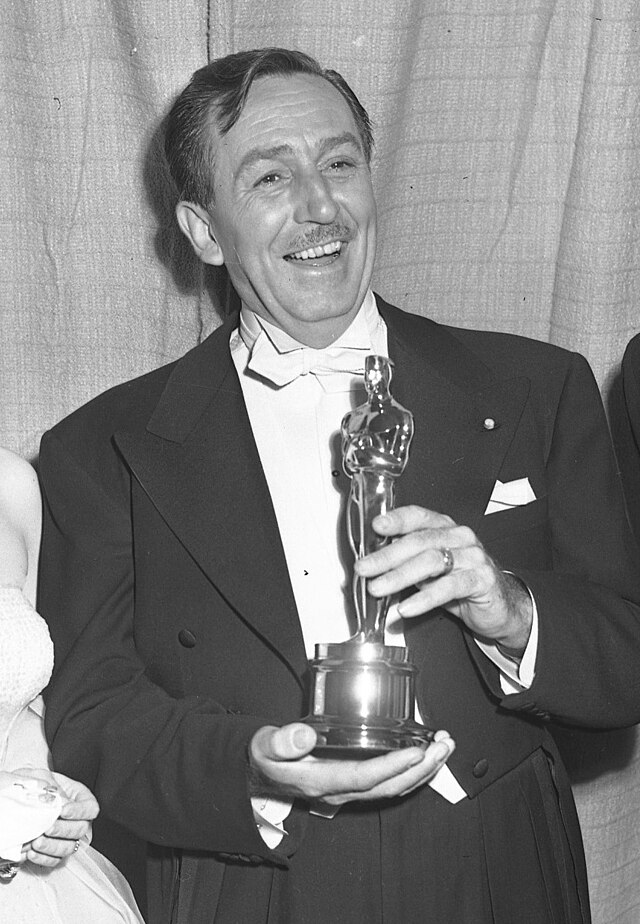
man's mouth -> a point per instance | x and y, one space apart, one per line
332 249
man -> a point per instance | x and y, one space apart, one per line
190 557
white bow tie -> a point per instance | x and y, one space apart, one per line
282 368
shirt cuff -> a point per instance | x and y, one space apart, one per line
269 815
516 675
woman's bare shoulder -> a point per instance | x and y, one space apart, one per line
20 502
18 480
20 519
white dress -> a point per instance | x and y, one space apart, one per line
86 888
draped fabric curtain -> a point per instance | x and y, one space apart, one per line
507 172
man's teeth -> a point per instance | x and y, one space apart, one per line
324 251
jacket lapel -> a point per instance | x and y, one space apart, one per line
454 461
198 463
454 458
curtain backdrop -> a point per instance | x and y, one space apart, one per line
507 172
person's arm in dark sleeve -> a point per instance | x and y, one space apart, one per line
587 669
173 770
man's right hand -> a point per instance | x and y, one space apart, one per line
283 766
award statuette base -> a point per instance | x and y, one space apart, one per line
362 700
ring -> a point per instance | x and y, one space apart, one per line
76 846
447 561
8 870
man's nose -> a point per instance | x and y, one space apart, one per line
315 200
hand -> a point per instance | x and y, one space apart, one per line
495 606
283 766
72 825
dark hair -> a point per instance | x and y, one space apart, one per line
218 92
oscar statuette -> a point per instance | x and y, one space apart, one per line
362 691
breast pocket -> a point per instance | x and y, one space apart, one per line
519 537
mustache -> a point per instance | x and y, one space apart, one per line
316 237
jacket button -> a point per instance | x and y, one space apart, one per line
186 638
480 768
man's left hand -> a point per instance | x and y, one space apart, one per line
494 605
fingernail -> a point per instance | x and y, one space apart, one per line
416 758
301 738
441 751
377 587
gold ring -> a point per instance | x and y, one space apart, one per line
447 561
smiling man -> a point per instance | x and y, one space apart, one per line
193 555
291 211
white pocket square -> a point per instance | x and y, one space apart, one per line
507 494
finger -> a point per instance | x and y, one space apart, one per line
85 809
458 553
69 830
426 566
395 553
404 520
423 540
77 792
41 859
52 847
442 735
430 761
431 765
377 777
73 788
472 585
290 742
40 775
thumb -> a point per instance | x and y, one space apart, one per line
291 742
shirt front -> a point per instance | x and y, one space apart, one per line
296 427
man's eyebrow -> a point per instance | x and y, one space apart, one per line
258 154
338 141
255 155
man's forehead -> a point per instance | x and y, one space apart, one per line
282 110
268 86
288 101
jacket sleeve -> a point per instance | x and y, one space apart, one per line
171 769
588 662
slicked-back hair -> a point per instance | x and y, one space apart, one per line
216 95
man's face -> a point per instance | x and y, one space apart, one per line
294 213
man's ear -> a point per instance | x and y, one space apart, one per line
195 223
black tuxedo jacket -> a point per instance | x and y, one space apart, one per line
164 582
628 429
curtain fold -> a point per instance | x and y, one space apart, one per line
507 171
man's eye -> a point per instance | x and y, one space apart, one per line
340 166
268 179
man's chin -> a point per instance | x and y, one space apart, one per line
328 310
320 301
321 327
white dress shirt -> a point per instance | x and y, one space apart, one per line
296 426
